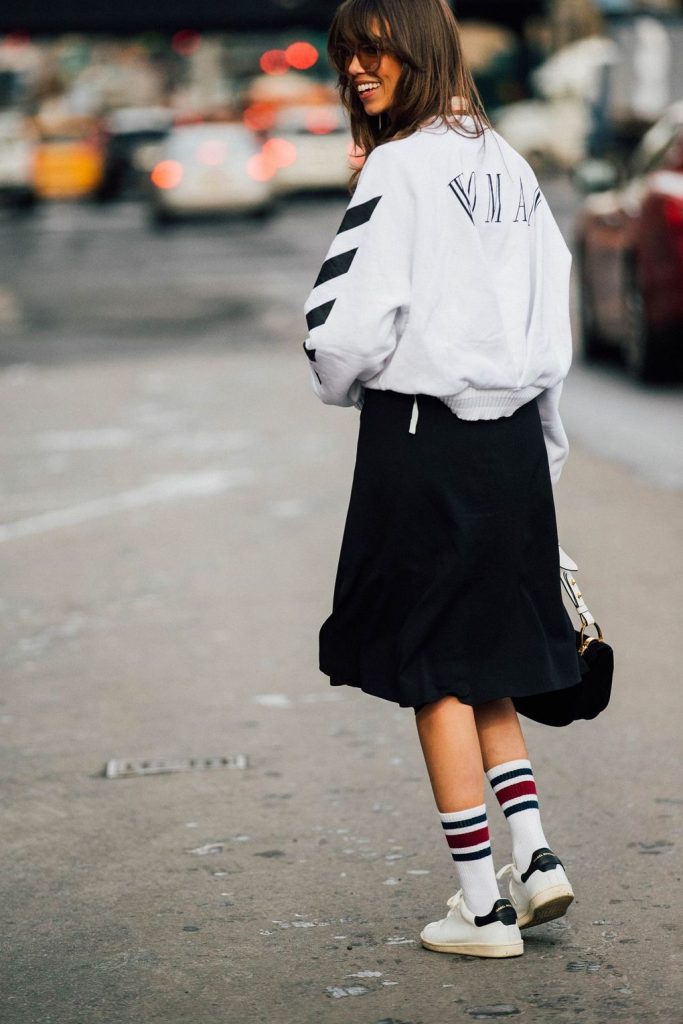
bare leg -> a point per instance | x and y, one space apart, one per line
460 743
500 734
448 734
450 744
502 744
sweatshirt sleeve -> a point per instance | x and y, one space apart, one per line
554 269
363 283
556 443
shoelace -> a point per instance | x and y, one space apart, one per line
454 902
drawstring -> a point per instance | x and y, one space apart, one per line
413 419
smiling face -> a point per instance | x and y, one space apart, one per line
376 89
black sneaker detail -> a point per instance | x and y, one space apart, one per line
503 911
542 860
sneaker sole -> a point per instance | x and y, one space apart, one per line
547 906
477 949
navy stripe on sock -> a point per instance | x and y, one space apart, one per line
466 822
359 214
477 855
510 775
527 805
316 317
335 266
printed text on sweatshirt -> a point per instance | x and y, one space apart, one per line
448 276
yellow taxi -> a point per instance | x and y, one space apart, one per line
69 158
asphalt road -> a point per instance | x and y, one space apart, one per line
83 281
173 500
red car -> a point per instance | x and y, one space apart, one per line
629 246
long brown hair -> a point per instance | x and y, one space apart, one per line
424 36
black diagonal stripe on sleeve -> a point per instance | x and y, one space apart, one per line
357 215
317 316
335 266
310 352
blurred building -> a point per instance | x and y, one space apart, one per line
576 19
149 15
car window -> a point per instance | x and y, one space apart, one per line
181 145
301 129
312 121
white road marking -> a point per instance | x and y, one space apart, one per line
272 700
85 440
206 442
170 488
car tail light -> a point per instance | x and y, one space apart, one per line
259 117
274 62
673 212
280 152
672 216
167 174
301 55
186 42
260 168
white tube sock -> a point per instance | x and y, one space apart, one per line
467 834
515 789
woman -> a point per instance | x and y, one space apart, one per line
441 311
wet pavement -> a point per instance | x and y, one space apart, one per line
173 503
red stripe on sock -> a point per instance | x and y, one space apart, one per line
469 838
516 789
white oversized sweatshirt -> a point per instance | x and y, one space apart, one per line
449 277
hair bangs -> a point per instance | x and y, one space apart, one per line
434 83
353 26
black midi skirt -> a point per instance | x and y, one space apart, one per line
448 579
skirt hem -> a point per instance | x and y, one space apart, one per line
464 695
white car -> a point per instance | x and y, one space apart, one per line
312 149
17 149
209 168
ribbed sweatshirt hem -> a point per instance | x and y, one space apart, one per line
489 404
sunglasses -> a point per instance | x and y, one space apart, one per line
369 58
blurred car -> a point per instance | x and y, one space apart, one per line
68 161
630 257
552 130
131 138
531 127
311 147
17 148
210 168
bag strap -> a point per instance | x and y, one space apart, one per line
566 562
576 597
567 568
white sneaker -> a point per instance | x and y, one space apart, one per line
461 931
542 892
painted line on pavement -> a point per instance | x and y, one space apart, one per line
169 488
